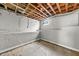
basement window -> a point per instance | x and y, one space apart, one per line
45 22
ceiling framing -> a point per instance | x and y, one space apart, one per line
39 11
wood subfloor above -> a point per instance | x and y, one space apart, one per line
40 48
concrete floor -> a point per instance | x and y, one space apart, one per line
40 48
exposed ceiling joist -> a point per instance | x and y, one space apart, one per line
45 9
58 7
34 14
27 6
51 8
39 10
5 6
66 7
33 17
17 6
33 11
75 6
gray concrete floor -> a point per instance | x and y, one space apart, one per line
40 48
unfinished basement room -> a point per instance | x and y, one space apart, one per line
39 29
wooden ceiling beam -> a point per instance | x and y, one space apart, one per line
39 10
75 6
51 8
5 6
33 11
17 6
38 17
66 6
20 7
58 7
33 17
34 14
44 8
27 6
39 14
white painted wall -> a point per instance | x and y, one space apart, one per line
14 31
9 21
15 23
62 30
10 41
29 25
61 21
